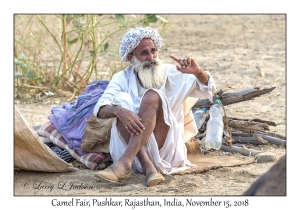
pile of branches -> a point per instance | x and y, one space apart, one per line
240 132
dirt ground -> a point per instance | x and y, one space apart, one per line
230 47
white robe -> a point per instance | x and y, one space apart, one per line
178 93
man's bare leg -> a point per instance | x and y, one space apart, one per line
152 116
142 155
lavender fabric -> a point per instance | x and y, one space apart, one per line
70 118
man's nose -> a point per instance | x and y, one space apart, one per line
150 56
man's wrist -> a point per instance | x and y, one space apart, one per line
202 76
200 73
115 109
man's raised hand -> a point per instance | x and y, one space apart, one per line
189 66
186 65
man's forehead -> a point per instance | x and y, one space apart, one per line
144 44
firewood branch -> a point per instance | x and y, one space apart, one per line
232 97
242 150
247 125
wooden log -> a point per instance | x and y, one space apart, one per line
242 150
261 138
272 134
272 140
264 121
247 126
250 140
254 120
241 134
232 97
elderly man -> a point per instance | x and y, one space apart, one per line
148 101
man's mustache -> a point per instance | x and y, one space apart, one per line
147 63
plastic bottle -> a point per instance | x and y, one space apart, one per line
200 116
214 129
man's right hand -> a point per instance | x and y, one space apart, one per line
130 120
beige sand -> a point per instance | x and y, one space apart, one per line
230 47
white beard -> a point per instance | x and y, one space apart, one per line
150 76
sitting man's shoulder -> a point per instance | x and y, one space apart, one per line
124 73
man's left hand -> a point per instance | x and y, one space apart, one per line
189 66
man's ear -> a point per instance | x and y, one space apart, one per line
129 57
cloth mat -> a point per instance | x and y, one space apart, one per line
206 162
94 161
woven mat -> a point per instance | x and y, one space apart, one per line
207 162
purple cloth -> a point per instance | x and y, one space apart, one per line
70 118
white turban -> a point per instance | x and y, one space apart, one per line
133 38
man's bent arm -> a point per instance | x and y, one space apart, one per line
108 111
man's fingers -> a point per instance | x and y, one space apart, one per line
188 61
183 62
183 69
141 126
174 58
128 129
132 130
136 128
179 68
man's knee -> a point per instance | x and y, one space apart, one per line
151 98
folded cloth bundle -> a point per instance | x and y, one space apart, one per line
93 160
96 136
